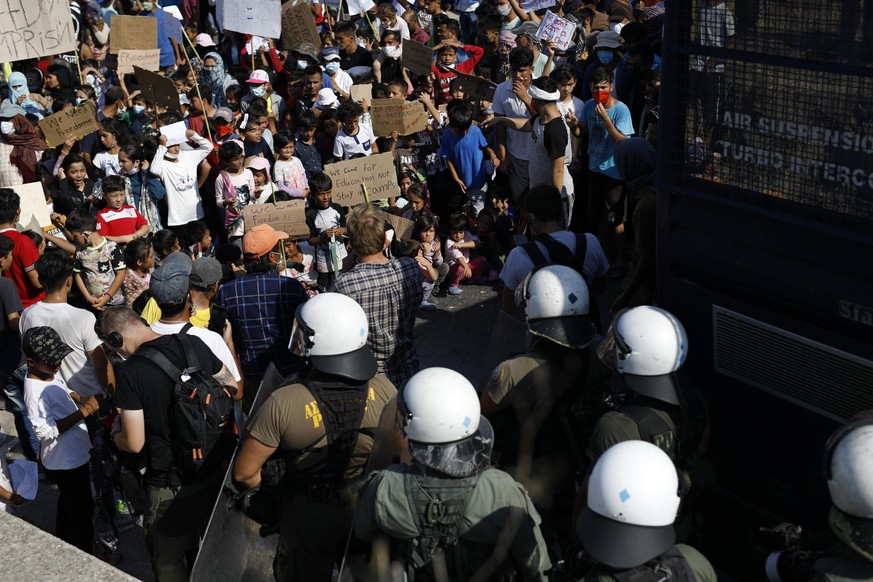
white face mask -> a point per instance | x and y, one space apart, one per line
504 9
392 52
6 128
170 156
259 91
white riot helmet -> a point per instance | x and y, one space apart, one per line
441 418
849 472
633 498
646 345
555 301
330 330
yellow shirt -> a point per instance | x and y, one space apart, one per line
151 313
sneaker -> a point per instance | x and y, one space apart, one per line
427 306
454 290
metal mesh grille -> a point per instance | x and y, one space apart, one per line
810 374
782 108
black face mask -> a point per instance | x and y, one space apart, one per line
233 106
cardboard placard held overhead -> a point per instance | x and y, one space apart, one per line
157 88
31 29
362 93
404 117
376 172
556 29
138 33
257 17
149 60
76 121
416 57
402 226
34 209
298 26
172 25
287 216
476 87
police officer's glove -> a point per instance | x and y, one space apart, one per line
260 504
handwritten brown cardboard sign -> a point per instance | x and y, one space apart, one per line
404 117
157 88
402 226
287 216
476 87
150 60
417 57
376 172
362 93
298 26
133 32
78 121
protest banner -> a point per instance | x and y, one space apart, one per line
416 57
476 87
172 25
31 29
556 29
298 26
34 209
157 88
362 93
402 226
150 60
287 217
534 5
78 121
256 17
404 117
133 32
376 172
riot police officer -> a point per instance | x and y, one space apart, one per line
449 511
322 426
627 526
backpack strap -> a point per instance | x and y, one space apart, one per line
558 253
579 255
536 255
192 363
185 328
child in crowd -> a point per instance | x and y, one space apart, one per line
412 249
265 189
76 189
464 148
446 66
145 188
419 201
503 214
424 232
198 240
306 148
139 256
461 266
326 221
299 260
99 271
404 180
57 414
113 136
119 222
486 230
356 136
288 171
234 188
252 135
328 128
178 171
165 242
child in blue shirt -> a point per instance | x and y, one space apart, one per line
464 148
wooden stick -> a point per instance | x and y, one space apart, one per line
196 82
366 196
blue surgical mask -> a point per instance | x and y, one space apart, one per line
79 100
147 6
332 67
138 109
605 57
259 91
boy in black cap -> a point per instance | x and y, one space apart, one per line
57 414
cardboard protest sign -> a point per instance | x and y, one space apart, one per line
30 29
298 26
376 172
404 117
257 17
287 216
150 60
133 32
172 25
534 5
416 57
362 92
402 226
476 87
157 88
556 29
34 209
78 121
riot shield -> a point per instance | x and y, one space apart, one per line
232 548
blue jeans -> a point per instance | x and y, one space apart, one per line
469 27
13 390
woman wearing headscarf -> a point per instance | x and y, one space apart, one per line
19 94
20 144
61 84
216 77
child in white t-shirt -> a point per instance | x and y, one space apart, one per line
356 136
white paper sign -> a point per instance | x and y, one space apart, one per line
33 205
359 6
534 5
175 133
261 17
556 29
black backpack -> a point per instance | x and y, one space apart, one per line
201 414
